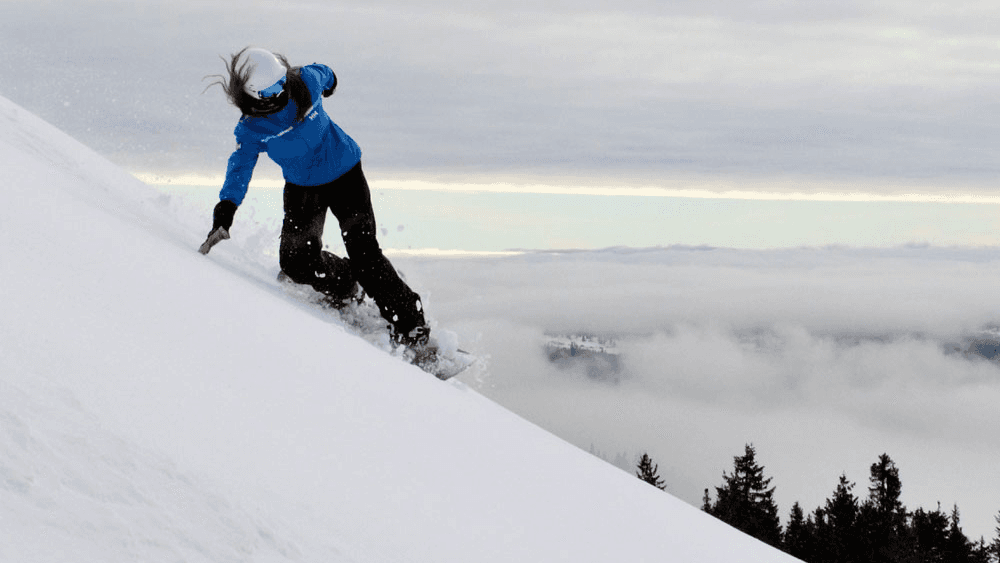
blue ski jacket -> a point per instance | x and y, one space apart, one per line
311 152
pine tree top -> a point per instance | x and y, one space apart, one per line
647 471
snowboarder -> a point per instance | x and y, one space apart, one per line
283 116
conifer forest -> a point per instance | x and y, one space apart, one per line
852 526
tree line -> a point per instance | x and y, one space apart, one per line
875 528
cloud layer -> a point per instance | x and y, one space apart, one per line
823 358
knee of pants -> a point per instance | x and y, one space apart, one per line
361 245
298 263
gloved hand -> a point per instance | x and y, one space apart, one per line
222 220
329 91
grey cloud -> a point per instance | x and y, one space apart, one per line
826 90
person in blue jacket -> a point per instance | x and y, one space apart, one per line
283 116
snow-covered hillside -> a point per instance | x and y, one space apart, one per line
159 405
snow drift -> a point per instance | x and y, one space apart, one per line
158 405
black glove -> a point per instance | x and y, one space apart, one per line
329 91
222 220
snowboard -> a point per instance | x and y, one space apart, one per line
440 357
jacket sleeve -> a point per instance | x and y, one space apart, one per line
240 170
326 77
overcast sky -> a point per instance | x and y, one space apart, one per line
805 96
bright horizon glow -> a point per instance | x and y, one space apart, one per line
694 188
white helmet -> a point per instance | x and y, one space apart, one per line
267 73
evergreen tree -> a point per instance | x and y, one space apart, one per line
884 487
883 516
797 540
841 534
746 502
958 548
930 536
981 553
647 471
994 545
820 533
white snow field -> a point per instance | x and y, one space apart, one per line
160 405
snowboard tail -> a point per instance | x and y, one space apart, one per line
443 364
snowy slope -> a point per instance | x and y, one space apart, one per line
159 405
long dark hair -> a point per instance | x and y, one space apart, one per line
237 75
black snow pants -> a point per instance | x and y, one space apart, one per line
303 259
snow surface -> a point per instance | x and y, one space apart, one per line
159 405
